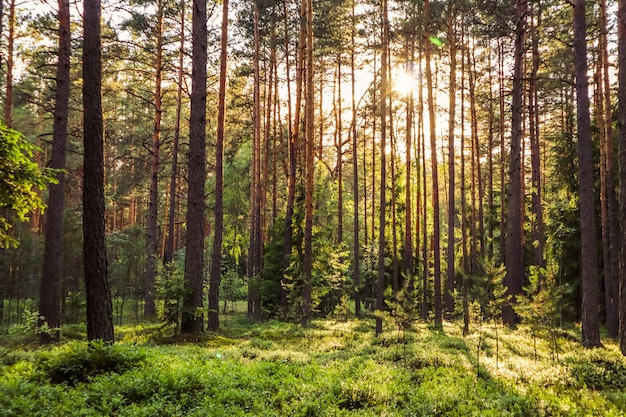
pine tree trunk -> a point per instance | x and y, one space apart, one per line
395 282
309 167
339 147
407 256
621 31
8 81
256 188
99 308
434 173
474 168
169 247
216 261
449 295
590 291
356 266
501 94
514 251
611 278
380 285
464 243
151 235
294 143
49 294
535 148
192 314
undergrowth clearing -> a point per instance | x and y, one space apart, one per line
331 368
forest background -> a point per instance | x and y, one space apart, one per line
403 159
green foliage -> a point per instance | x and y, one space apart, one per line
127 255
232 287
539 306
170 289
79 361
20 178
599 370
32 324
328 369
488 289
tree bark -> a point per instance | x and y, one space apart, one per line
434 173
151 226
49 295
621 31
535 148
169 247
380 286
99 308
514 258
339 148
611 277
309 167
8 82
590 291
449 296
192 315
256 191
356 266
216 262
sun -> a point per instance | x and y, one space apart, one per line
404 82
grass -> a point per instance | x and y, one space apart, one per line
328 369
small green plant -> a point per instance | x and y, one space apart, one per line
491 295
32 324
170 288
539 308
476 316
404 311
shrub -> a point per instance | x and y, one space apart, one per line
78 361
600 369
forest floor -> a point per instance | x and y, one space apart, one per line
331 368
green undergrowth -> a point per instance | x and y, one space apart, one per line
328 369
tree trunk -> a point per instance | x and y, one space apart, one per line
611 278
192 315
395 281
99 308
294 143
407 255
514 259
464 244
339 147
356 266
535 148
8 82
503 207
309 167
422 195
216 262
449 296
621 31
590 291
434 173
151 229
169 248
256 188
380 286
474 166
49 295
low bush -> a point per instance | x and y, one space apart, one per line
599 369
78 361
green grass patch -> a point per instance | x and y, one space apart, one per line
329 369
